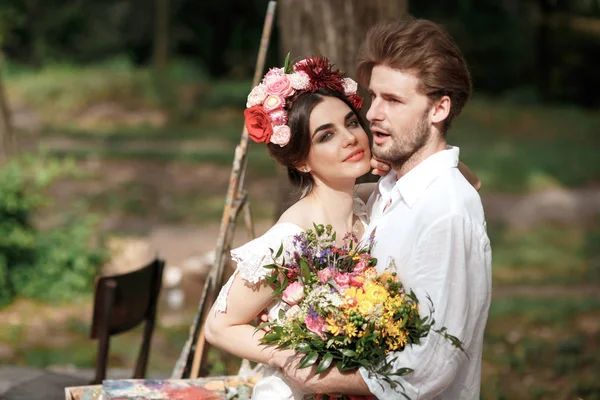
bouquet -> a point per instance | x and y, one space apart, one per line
341 311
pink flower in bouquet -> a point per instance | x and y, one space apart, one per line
294 293
360 266
325 275
316 324
342 279
357 280
279 86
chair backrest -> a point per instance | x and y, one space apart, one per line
122 302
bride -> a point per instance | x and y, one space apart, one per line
308 117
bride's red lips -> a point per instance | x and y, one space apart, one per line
356 155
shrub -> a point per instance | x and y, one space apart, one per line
53 264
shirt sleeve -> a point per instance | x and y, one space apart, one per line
448 265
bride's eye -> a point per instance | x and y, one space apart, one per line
326 136
353 123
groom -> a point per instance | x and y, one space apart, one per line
427 218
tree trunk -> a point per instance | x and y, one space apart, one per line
7 140
161 34
333 28
543 58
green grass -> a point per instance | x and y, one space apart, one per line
259 164
222 124
544 348
550 312
522 148
63 91
547 254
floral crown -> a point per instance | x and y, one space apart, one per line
266 115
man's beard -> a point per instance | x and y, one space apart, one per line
404 146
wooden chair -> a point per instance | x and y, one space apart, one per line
122 302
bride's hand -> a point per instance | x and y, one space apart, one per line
379 167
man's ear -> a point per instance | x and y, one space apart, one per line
441 110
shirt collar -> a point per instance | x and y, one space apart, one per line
412 185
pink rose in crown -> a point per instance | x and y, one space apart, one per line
281 135
325 275
293 294
342 279
272 74
316 324
280 86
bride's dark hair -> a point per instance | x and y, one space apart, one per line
296 151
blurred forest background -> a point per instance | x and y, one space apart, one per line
118 121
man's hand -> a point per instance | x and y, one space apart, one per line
379 167
304 379
331 382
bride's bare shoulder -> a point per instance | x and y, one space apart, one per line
296 214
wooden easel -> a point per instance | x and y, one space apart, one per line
194 352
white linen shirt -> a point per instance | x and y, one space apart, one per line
434 232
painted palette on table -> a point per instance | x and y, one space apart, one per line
207 388
175 389
91 392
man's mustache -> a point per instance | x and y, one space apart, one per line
379 127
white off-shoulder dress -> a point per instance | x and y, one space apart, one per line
250 259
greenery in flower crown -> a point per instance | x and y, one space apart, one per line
340 311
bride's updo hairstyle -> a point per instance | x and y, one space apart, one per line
279 108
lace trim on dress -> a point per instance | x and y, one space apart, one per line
252 256
221 302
